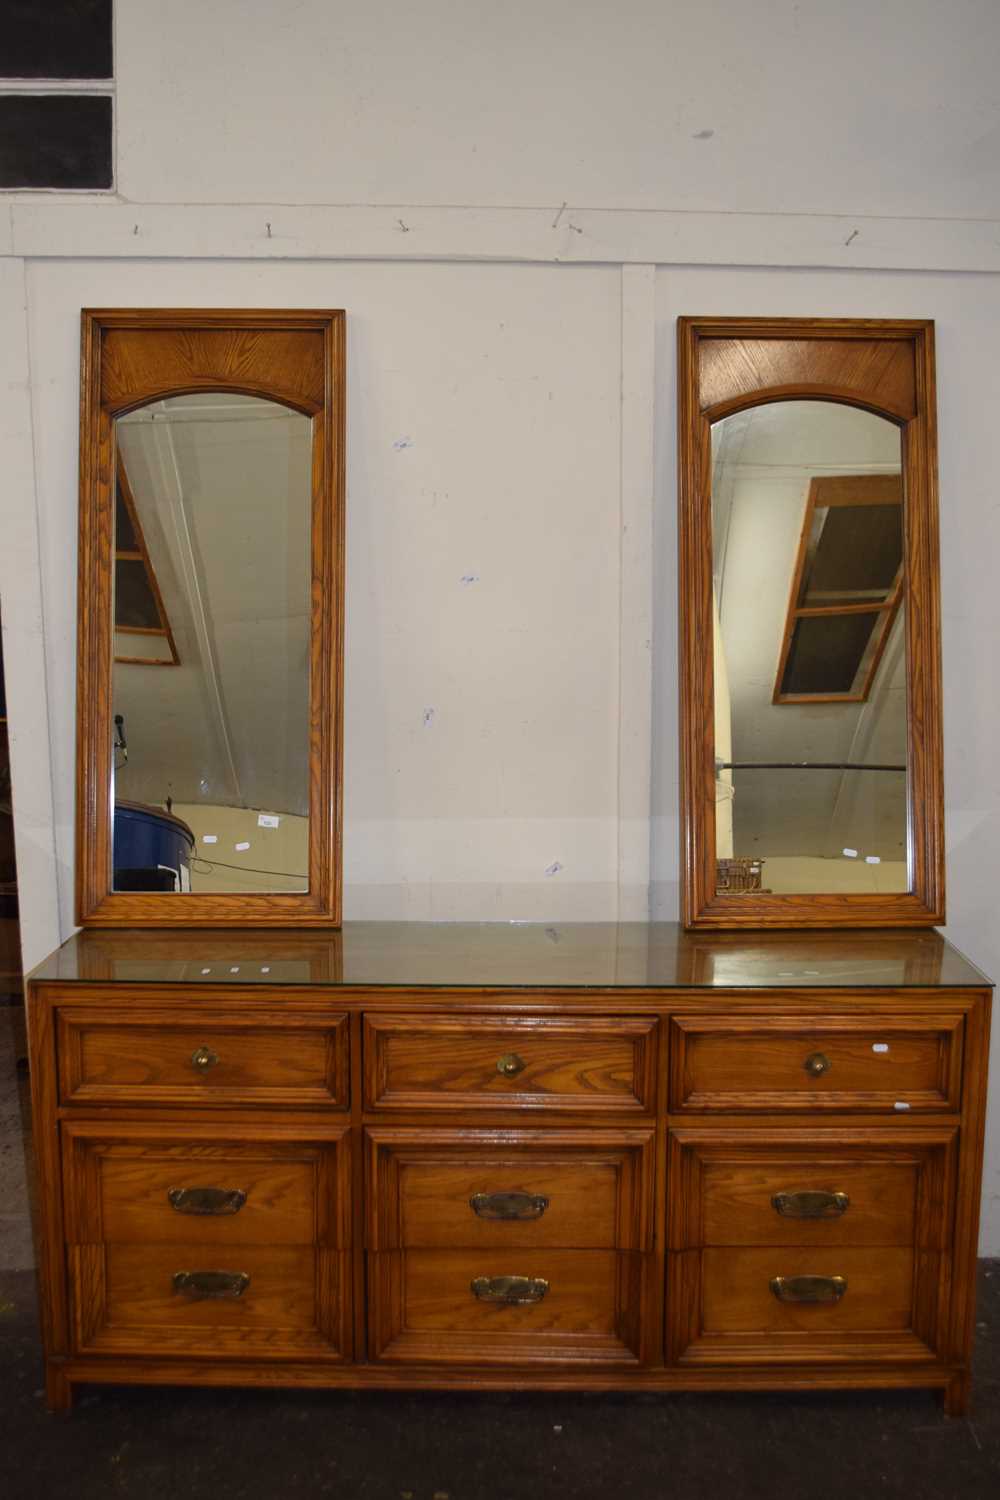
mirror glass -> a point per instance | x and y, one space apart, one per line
210 681
810 651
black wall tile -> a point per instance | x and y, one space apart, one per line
55 39
55 141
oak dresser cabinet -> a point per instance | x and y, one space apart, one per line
275 1153
573 1156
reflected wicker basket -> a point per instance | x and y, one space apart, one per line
736 876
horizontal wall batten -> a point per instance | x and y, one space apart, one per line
44 227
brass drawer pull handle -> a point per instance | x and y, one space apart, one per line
510 1065
510 1291
811 1205
202 1286
817 1063
808 1288
207 1200
203 1058
508 1205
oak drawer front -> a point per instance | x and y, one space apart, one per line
182 1299
886 1185
801 1245
217 1186
494 1307
496 1063
804 1305
846 1063
795 1291
506 1190
207 1239
216 1059
809 1203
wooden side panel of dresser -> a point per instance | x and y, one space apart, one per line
487 1188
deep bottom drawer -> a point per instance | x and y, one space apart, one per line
802 1305
784 1291
473 1305
186 1299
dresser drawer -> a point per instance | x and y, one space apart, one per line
176 1299
509 1190
883 1185
475 1062
801 1306
809 1202
869 1205
216 1058
836 1062
136 1183
470 1306
795 1292
187 1239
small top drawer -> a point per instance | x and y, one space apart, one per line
222 1058
496 1062
832 1062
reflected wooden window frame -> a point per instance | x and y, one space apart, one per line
131 357
141 555
885 366
828 492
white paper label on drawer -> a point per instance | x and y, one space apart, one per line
268 820
900 1104
243 844
880 1046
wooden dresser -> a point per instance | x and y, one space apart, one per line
570 1156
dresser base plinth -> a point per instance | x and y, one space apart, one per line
952 1386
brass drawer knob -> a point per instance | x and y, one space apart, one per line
508 1205
510 1065
204 1286
203 1058
206 1200
510 1291
816 1064
808 1288
811 1204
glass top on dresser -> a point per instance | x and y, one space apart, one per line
557 955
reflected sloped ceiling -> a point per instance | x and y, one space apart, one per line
222 486
764 459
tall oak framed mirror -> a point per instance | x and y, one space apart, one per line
811 766
210 636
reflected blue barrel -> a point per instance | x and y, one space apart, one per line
152 849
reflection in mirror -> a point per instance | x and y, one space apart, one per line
210 684
810 650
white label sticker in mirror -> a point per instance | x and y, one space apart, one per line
244 845
210 838
268 820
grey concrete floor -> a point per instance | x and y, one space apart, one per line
158 1444
15 1222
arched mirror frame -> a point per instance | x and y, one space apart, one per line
131 357
885 366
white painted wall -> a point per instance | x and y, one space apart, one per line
355 154
646 104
